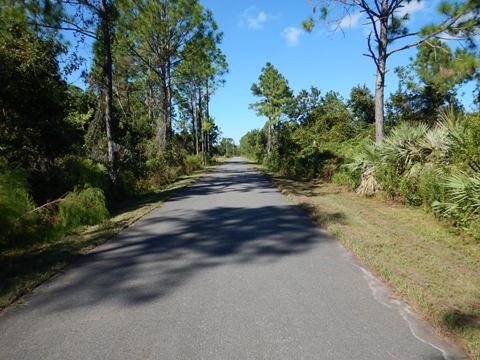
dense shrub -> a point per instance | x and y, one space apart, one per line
126 183
78 171
158 171
192 163
253 145
15 202
464 131
430 187
20 221
462 200
434 167
83 206
166 168
346 178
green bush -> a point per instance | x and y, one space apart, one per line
430 186
78 171
15 203
462 199
158 171
346 178
253 145
165 168
400 163
464 132
388 179
433 167
126 182
275 163
83 207
192 163
18 222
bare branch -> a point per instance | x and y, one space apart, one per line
445 25
53 202
75 29
394 5
403 36
374 25
79 28
372 53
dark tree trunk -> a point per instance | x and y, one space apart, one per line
108 87
168 126
162 126
200 120
207 115
151 116
269 139
205 145
197 130
194 125
208 143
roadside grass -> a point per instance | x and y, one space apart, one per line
25 267
425 263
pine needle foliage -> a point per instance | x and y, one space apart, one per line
83 207
15 202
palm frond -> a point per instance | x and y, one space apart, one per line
463 192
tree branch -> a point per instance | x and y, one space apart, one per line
59 27
443 27
372 53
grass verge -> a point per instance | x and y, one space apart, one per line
24 268
426 264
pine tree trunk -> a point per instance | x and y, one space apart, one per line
197 135
269 139
208 143
207 112
150 102
380 78
168 126
379 102
200 120
194 126
108 87
204 142
162 127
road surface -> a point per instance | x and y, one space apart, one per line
227 269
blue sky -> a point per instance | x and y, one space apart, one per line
264 30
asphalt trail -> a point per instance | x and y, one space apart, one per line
227 269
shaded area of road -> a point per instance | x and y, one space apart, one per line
227 269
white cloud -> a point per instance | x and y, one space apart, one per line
292 35
350 21
411 8
255 19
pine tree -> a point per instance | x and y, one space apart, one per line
275 95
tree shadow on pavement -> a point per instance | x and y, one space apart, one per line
158 254
144 264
